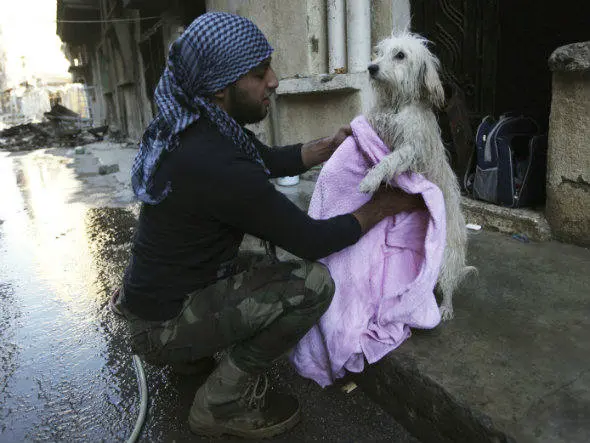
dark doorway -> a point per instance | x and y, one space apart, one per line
496 51
529 32
152 53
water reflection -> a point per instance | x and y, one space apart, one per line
64 371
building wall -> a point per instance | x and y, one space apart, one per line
312 104
309 102
114 73
285 26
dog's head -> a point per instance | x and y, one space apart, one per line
404 70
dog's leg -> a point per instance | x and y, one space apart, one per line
391 165
446 307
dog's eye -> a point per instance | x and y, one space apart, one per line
400 55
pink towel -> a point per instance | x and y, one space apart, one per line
384 282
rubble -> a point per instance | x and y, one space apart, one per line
63 128
31 136
108 169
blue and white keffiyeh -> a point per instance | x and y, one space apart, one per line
215 50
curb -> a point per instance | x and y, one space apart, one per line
526 222
423 407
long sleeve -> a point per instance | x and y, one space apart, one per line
242 197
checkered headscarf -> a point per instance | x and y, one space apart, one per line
215 50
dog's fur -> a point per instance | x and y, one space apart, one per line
407 87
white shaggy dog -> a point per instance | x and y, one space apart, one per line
407 86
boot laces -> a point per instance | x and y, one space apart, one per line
257 392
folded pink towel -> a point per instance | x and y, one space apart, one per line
384 282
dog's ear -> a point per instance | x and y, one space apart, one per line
401 29
433 88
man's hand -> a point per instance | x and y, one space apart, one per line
385 202
318 151
338 138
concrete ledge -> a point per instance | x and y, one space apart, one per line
506 220
424 407
322 83
491 217
513 363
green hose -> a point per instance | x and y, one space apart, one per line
143 399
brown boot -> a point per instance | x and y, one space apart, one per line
234 402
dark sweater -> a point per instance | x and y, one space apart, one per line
217 195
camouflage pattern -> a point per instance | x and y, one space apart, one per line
259 314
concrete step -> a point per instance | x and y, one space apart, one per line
527 222
532 224
513 365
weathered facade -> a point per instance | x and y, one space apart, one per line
493 51
120 47
322 50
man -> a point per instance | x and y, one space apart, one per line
203 178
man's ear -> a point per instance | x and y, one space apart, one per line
221 98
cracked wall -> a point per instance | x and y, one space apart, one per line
568 175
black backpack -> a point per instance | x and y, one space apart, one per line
510 162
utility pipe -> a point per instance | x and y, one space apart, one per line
336 36
358 29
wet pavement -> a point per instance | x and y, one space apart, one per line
66 372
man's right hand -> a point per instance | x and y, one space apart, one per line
386 202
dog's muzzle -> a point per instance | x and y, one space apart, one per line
373 70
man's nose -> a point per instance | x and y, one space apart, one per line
273 81
373 69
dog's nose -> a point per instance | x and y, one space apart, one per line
373 69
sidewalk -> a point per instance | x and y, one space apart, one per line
514 363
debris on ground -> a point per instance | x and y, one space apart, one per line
349 387
31 136
108 169
521 238
99 132
63 128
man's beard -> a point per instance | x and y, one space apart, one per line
243 109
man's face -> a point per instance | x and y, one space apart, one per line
248 99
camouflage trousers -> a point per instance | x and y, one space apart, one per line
257 314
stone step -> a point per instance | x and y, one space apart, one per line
512 366
526 222
532 224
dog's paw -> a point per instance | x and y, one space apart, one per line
446 312
371 182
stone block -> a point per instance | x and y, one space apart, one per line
568 168
108 169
